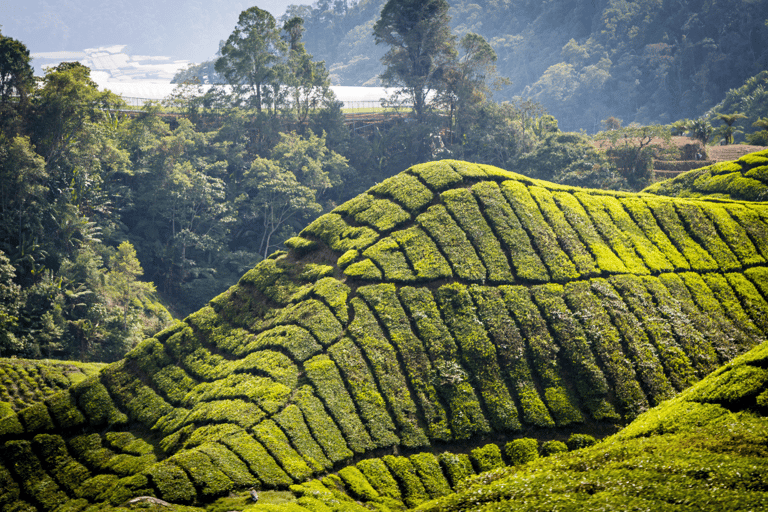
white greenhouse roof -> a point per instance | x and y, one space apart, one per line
157 91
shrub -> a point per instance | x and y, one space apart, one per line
553 447
487 457
521 451
357 485
579 441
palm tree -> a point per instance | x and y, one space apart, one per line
729 120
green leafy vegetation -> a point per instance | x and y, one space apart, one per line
301 375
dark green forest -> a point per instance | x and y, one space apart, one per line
113 221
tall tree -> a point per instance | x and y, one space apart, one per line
421 44
16 79
250 57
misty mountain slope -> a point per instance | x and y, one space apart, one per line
450 306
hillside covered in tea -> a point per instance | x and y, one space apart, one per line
453 309
745 179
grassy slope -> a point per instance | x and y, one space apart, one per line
451 306
744 179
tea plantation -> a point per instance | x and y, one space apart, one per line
456 319
744 179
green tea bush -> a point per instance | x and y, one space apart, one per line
357 485
566 235
436 175
422 254
545 241
407 190
553 448
451 379
324 430
291 420
579 441
666 215
457 466
465 210
384 301
378 475
382 357
525 261
388 256
705 233
487 457
479 355
410 483
453 243
521 451
325 377
428 469
171 482
278 445
365 393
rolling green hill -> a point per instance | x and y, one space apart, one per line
745 179
452 308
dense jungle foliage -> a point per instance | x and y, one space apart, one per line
453 320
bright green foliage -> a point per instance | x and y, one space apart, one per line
388 256
299 343
544 238
590 381
382 299
357 484
553 448
525 261
365 269
606 343
275 441
521 451
487 457
428 469
172 483
566 236
456 466
621 244
744 179
542 350
323 428
464 209
453 243
511 353
595 306
645 220
579 441
676 364
438 176
258 459
380 478
412 488
706 234
422 253
453 383
672 225
380 214
363 388
479 355
407 190
324 375
383 359
638 347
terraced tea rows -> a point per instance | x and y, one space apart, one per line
452 305
24 382
743 179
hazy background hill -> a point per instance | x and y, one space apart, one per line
649 61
